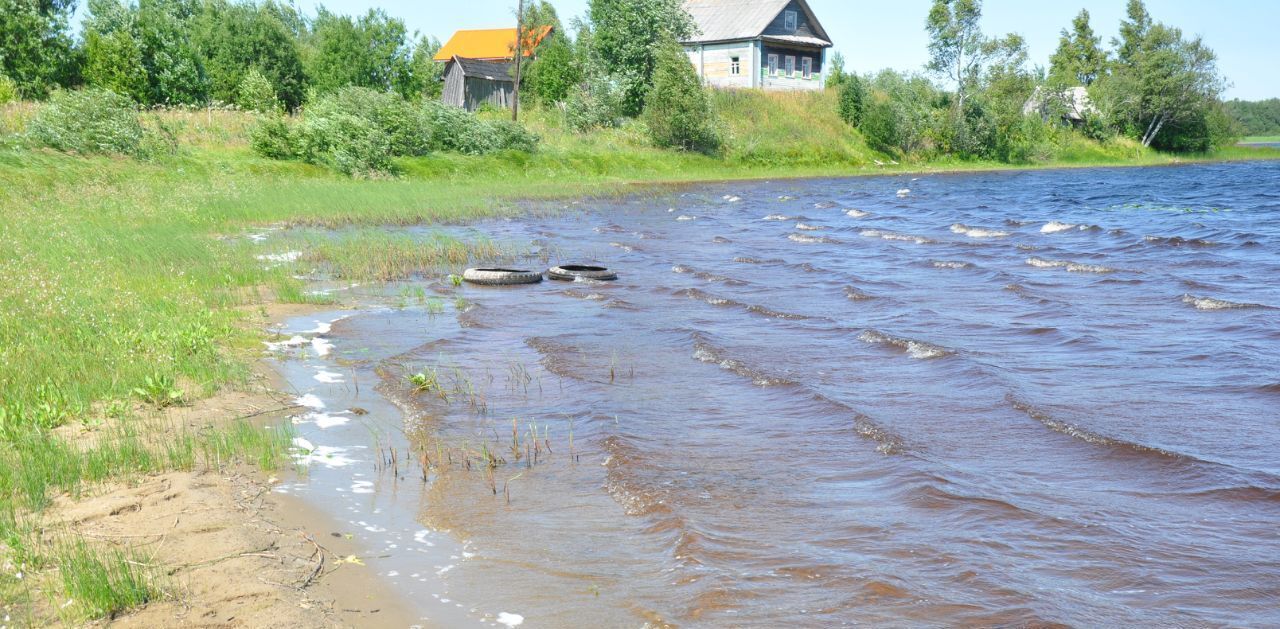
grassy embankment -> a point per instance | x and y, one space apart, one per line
1261 139
118 270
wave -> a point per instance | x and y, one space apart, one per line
776 217
708 353
625 247
1055 227
709 277
857 214
824 205
977 232
887 441
1209 303
699 295
915 349
721 240
949 264
853 294
1074 267
1179 241
809 228
1088 436
887 235
749 260
805 238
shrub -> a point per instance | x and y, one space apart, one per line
345 142
89 121
512 136
677 110
407 130
853 98
273 138
8 90
255 93
596 103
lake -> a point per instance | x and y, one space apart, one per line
997 398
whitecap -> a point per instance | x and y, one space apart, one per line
886 235
950 264
857 214
977 232
1209 303
915 349
903 193
776 217
809 239
808 227
684 217
510 620
328 377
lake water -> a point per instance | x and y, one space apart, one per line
999 398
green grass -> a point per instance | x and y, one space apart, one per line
1262 139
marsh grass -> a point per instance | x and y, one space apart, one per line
102 582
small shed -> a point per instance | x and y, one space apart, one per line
469 83
1072 103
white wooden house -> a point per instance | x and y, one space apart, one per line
769 44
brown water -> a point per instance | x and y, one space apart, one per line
1005 398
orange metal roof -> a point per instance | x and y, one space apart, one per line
493 43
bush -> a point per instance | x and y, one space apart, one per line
273 138
89 121
358 131
853 99
899 117
677 110
8 90
596 103
255 93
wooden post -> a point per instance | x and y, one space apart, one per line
515 95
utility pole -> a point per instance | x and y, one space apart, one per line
515 95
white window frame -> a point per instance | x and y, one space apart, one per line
806 67
790 66
735 66
790 21
773 65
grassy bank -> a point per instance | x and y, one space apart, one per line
1261 139
124 273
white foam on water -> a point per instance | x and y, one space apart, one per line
685 217
328 377
808 227
1054 227
978 232
776 217
884 235
307 453
325 421
295 341
949 264
857 214
421 537
732 198
1074 267
510 620
1209 303
288 256
807 239
321 346
310 401
903 193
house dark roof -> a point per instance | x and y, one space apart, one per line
491 70
727 20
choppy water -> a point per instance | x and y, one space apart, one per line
1004 398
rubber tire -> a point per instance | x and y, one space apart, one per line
500 277
571 272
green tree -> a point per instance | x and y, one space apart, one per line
677 110
113 61
1164 87
426 72
256 93
236 37
1079 59
627 36
853 100
956 44
175 71
369 51
835 72
554 69
35 50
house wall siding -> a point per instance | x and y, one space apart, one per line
453 93
715 63
797 82
778 26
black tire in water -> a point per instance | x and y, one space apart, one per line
571 272
500 277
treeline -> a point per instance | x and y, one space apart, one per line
1256 117
196 52
1153 85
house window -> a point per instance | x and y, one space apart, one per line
773 65
806 67
789 21
735 66
791 66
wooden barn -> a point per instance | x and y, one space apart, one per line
479 66
470 83
769 44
